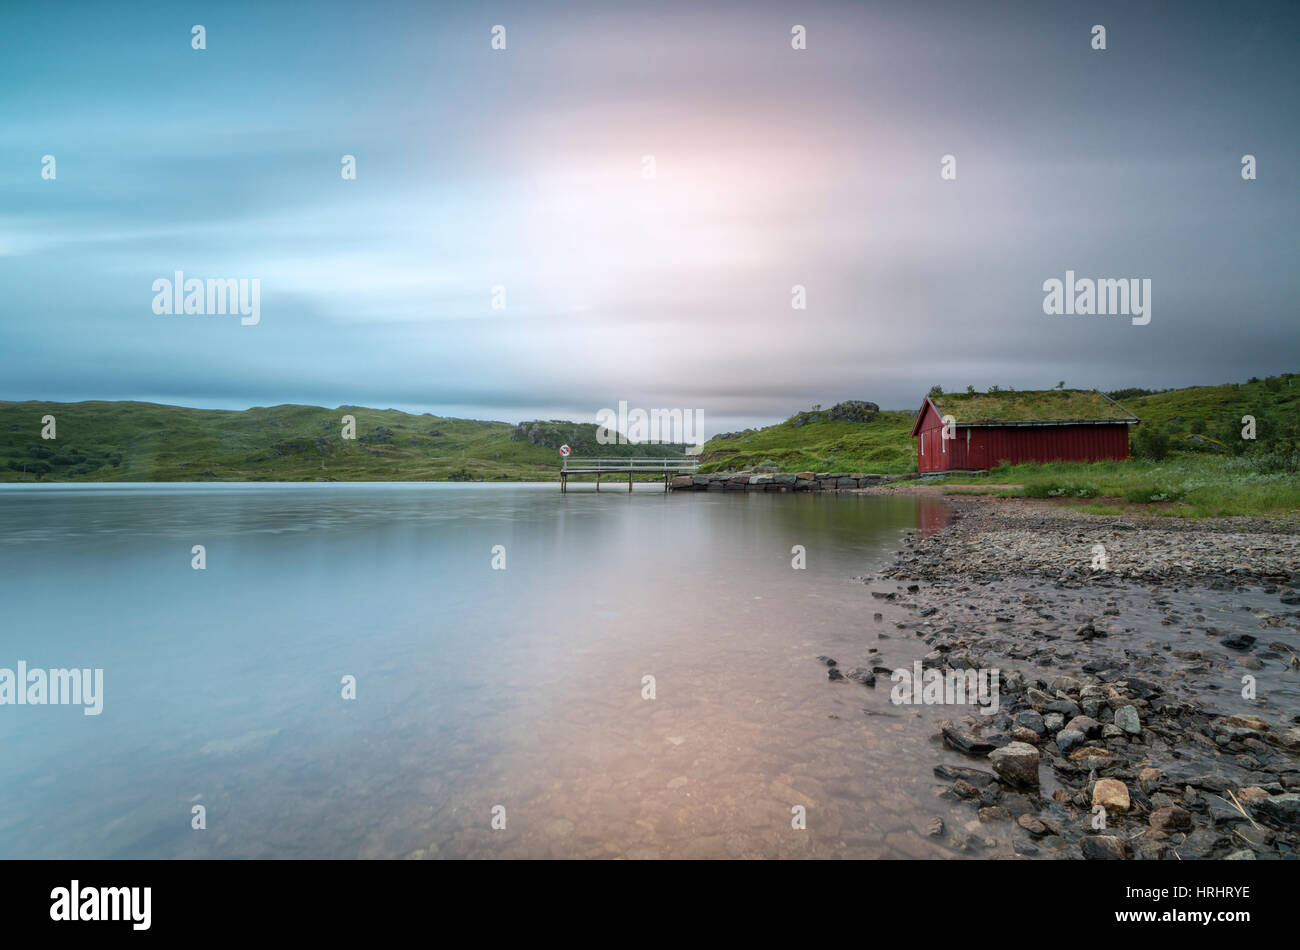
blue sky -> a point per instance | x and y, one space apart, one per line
523 168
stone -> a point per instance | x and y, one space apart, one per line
1032 825
1030 720
1021 734
1102 847
1017 764
1037 698
1088 726
1200 844
1282 809
1126 718
1091 757
1067 740
961 773
965 741
1111 794
864 676
1064 707
1149 780
1252 795
1171 818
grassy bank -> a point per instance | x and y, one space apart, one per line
883 445
1194 486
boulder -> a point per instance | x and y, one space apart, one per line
1017 764
1111 794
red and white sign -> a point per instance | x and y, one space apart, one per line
565 450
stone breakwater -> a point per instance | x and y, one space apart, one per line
1148 712
785 482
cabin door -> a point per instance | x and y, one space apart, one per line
977 448
956 449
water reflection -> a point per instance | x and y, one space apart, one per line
475 687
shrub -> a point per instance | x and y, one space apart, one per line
1151 442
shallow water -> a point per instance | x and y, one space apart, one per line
476 688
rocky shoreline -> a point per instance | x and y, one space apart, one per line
1149 699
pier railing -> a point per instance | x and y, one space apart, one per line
588 466
667 467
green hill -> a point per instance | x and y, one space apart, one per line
137 441
820 441
1209 417
1200 419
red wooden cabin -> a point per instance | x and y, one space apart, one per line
983 430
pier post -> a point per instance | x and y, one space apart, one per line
564 482
598 481
629 481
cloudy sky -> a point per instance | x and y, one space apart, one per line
524 168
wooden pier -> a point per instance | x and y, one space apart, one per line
598 467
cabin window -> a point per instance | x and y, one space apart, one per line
922 443
944 439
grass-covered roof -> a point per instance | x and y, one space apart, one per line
1045 405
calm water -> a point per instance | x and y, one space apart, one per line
475 687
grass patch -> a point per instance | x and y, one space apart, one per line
1187 485
884 446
